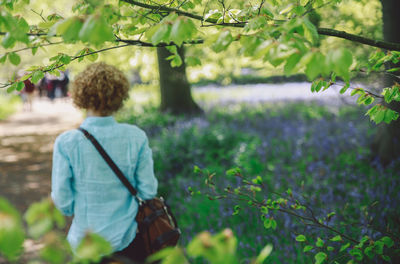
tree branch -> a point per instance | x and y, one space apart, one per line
26 48
169 9
363 40
147 44
322 31
31 34
74 58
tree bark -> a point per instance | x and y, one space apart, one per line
387 141
176 96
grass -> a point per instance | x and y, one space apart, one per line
320 152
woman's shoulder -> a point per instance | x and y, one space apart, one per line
134 130
68 137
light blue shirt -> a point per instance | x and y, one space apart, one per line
83 185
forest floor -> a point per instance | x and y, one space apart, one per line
26 145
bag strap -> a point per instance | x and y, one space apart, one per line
111 163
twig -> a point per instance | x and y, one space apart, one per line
260 7
26 48
354 88
39 14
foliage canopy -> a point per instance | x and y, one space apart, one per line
280 32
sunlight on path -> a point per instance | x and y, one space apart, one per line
26 146
46 118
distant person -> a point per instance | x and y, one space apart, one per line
50 86
42 87
27 95
83 185
64 84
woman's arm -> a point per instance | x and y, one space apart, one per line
146 181
61 182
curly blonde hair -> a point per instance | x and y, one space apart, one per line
100 87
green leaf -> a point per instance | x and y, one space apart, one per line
356 253
37 76
55 250
92 57
357 91
379 115
394 69
92 248
307 248
291 63
320 242
233 171
315 66
264 210
169 255
320 257
12 88
392 93
265 252
344 247
14 58
8 41
183 29
273 224
340 61
345 87
176 61
196 169
236 210
378 246
310 32
390 116
69 29
267 223
34 50
25 77
40 227
192 61
368 251
223 41
387 241
65 59
161 35
11 231
336 238
301 238
316 86
329 248
19 86
96 30
3 58
386 258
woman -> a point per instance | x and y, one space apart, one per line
83 185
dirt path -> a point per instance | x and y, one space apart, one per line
26 145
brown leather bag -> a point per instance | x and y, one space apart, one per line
156 224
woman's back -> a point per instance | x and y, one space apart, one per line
83 184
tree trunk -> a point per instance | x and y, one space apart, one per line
176 96
387 141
